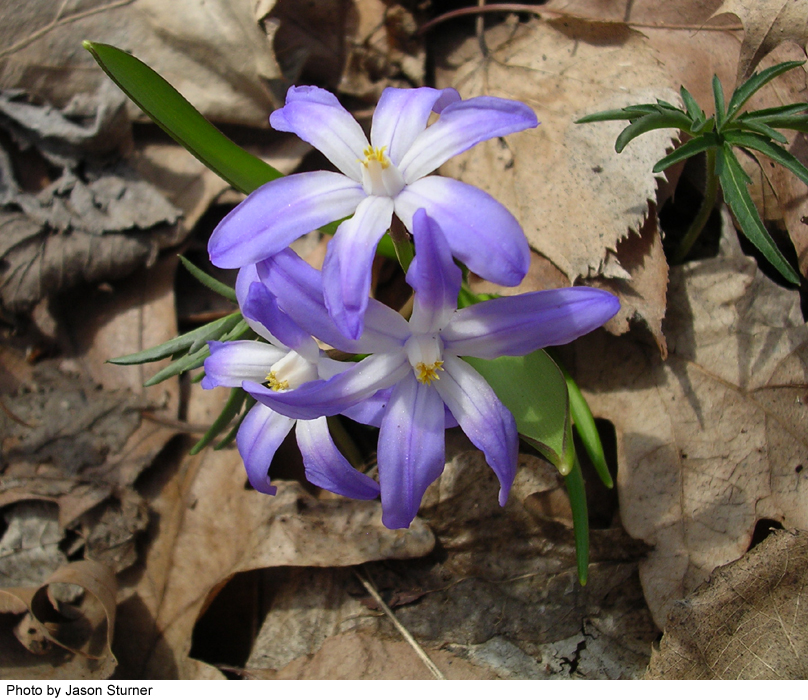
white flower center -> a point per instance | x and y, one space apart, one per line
425 353
290 372
380 177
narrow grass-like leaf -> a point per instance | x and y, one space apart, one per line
181 121
230 411
694 111
718 96
767 148
797 122
232 321
535 391
209 331
576 489
753 84
611 115
210 282
240 331
757 126
650 122
688 150
249 402
782 111
584 423
185 363
733 183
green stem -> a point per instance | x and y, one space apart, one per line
707 204
402 243
580 519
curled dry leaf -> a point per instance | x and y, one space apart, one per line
566 69
68 630
715 439
746 623
767 24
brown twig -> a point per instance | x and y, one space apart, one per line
59 21
370 588
540 10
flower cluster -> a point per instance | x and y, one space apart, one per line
413 382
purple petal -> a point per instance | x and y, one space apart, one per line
261 433
280 212
521 324
483 417
325 465
402 115
463 125
236 361
247 275
371 411
299 289
318 118
411 449
261 306
481 232
335 395
347 266
433 275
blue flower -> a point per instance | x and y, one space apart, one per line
388 175
419 362
289 358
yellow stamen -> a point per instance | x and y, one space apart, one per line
426 374
377 155
274 384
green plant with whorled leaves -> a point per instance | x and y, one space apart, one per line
717 137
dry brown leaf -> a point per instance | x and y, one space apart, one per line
767 24
565 69
358 656
358 47
215 53
212 526
522 553
67 633
642 296
748 622
715 439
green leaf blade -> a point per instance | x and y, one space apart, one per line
234 403
733 183
534 390
687 150
772 150
180 120
210 282
209 331
753 84
651 122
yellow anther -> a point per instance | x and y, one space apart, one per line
376 155
276 385
426 374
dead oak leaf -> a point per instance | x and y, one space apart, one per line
574 196
746 623
767 24
715 439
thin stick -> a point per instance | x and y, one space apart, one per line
402 630
59 21
541 10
